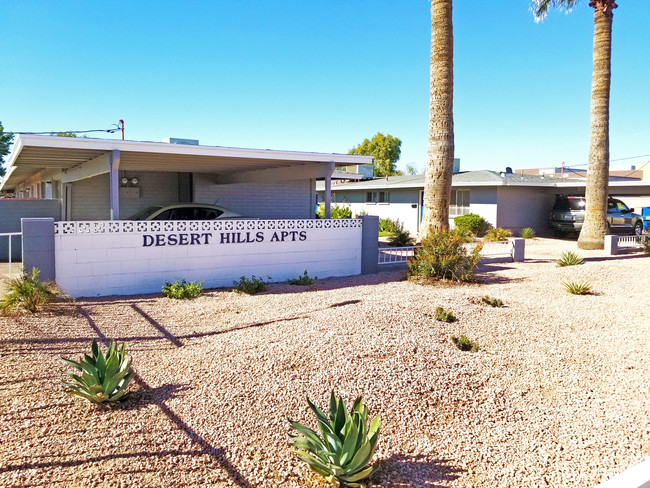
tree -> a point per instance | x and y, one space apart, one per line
594 228
440 148
384 149
5 142
411 169
63 134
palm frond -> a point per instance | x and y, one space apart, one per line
540 8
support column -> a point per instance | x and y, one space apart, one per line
38 247
517 248
611 245
328 190
369 244
114 162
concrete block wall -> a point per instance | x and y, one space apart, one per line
11 213
272 200
121 257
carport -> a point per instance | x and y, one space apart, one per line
46 167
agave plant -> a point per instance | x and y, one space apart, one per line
347 444
569 258
577 287
527 233
104 378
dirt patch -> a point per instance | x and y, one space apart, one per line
557 395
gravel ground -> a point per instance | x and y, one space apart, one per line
558 394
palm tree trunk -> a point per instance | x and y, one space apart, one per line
440 150
592 235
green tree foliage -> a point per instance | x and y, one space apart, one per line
384 149
411 169
5 141
63 134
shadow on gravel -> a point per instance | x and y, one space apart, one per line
145 395
618 257
338 282
402 470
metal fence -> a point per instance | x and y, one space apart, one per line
9 236
396 255
631 241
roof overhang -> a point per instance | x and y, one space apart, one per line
32 154
382 184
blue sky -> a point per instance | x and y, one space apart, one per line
323 75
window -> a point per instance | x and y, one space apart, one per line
459 204
378 197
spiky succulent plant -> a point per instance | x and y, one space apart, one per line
347 444
104 378
569 258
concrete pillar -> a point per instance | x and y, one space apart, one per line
114 161
611 245
328 191
517 248
38 247
369 244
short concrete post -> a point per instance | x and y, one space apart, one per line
369 244
517 248
611 245
38 247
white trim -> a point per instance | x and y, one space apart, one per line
87 143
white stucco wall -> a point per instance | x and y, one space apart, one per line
483 202
399 208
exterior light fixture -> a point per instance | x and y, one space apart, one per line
125 180
134 181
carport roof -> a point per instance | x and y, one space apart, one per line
32 154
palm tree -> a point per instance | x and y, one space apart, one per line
592 235
440 150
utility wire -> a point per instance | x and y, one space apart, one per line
110 131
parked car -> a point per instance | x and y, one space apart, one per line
568 215
184 211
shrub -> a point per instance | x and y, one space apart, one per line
577 287
182 290
250 286
493 302
401 237
103 378
497 234
444 316
27 292
347 444
303 280
464 235
387 225
527 233
336 211
471 223
464 344
569 258
645 244
444 256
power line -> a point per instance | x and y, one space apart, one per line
110 131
